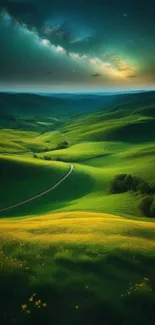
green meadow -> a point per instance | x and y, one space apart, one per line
78 254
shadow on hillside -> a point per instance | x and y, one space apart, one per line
142 233
75 186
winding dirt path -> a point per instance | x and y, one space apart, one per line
40 194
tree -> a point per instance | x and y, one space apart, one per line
62 145
124 182
144 206
144 188
47 158
117 185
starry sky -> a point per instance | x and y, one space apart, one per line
83 45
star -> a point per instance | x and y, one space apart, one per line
125 15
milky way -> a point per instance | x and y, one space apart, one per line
59 46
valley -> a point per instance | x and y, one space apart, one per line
87 254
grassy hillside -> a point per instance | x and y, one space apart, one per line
77 268
23 178
19 141
117 139
79 254
133 127
77 185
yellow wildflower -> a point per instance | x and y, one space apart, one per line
140 284
77 307
24 307
146 279
44 304
31 299
28 312
37 302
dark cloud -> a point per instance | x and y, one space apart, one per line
96 75
132 76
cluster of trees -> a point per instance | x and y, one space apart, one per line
123 183
46 157
62 145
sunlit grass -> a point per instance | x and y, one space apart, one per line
82 227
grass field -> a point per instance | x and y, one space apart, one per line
77 268
77 255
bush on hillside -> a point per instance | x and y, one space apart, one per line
124 183
144 188
35 156
117 185
62 145
147 206
47 158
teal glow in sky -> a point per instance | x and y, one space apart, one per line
93 46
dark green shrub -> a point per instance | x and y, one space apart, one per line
124 182
118 185
144 188
144 206
47 158
35 156
128 181
136 181
62 145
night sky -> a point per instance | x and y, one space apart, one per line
66 45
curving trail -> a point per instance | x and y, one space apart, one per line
40 194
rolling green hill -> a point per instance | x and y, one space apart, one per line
131 121
79 254
119 138
22 178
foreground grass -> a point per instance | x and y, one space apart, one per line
77 268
